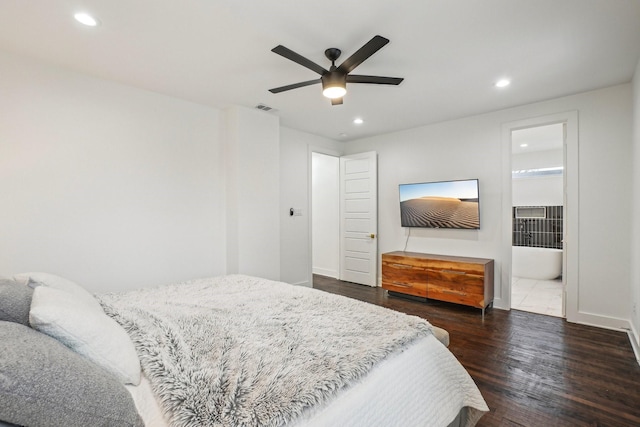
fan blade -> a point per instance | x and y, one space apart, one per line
299 59
336 101
371 47
353 78
294 86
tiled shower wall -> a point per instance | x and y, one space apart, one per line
538 232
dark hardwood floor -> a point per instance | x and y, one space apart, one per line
532 370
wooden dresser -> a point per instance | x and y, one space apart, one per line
460 280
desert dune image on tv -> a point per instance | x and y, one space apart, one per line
446 204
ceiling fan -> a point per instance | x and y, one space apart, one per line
334 81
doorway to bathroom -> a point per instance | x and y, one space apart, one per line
537 218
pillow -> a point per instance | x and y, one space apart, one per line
15 300
42 382
85 329
34 280
23 281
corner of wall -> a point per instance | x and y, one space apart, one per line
252 166
634 333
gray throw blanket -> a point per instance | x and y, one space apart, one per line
243 351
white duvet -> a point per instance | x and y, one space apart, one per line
420 385
413 389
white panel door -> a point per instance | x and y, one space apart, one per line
359 218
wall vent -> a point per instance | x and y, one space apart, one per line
264 107
530 212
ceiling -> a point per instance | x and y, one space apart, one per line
450 52
538 138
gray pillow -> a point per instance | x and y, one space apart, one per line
44 383
15 301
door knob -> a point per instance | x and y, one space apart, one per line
373 236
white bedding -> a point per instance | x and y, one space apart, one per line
406 390
419 384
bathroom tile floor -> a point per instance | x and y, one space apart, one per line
537 296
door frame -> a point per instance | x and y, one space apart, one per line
334 153
310 151
570 210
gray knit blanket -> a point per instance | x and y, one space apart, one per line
244 351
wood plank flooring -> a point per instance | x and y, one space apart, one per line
533 370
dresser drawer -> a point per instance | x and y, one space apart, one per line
456 286
456 296
456 267
404 278
416 289
456 281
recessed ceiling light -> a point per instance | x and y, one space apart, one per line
86 19
358 121
524 145
503 83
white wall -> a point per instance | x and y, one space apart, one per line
537 159
635 214
252 162
537 190
446 151
108 185
325 192
117 188
471 148
295 190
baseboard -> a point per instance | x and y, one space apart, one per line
500 304
325 272
303 283
634 338
605 322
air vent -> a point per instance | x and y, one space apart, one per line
264 107
531 212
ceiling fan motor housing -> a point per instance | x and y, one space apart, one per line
334 79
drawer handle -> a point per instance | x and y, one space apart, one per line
454 272
447 291
403 285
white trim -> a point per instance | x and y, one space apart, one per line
304 283
634 338
604 322
325 272
570 118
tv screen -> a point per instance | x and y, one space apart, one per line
443 204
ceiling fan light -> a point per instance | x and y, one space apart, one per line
334 85
334 92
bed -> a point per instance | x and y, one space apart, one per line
233 350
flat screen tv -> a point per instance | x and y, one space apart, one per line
442 204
